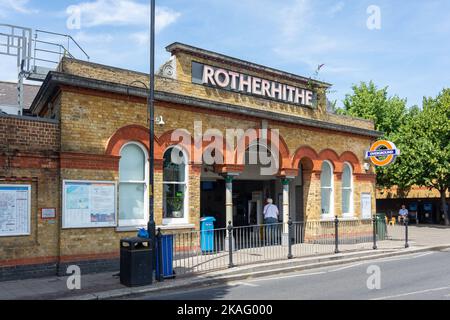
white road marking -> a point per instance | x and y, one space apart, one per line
411 293
347 267
413 256
287 277
241 283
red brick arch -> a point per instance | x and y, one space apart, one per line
332 156
352 159
283 150
226 152
305 152
165 141
126 134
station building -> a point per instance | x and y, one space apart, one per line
74 170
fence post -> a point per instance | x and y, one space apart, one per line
374 219
336 234
159 253
406 232
289 238
230 245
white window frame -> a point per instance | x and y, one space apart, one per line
351 212
329 215
185 219
136 222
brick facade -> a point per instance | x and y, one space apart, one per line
92 124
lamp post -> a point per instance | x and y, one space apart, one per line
151 226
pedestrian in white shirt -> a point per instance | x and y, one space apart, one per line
270 217
270 212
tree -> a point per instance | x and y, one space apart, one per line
423 137
388 114
369 102
424 141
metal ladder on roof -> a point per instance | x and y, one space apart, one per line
37 53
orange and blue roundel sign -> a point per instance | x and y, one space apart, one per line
382 153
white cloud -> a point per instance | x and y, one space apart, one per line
294 19
123 12
336 8
93 38
20 6
141 38
8 65
301 39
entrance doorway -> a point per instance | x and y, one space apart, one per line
248 201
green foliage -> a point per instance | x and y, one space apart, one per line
423 136
175 203
369 102
425 140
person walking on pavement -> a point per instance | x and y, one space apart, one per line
271 214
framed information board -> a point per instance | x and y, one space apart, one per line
89 204
366 205
15 207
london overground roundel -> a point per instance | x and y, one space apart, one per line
382 153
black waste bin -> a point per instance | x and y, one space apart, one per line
136 261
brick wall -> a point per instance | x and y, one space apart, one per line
84 144
184 85
29 155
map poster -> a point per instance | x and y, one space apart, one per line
89 204
15 218
366 205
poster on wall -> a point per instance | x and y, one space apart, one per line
15 218
366 205
89 204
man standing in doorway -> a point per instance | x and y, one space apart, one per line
270 217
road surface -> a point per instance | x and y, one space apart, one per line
417 276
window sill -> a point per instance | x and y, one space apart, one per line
348 217
173 226
128 229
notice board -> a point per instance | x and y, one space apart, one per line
89 204
15 218
366 205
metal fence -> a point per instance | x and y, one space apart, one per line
208 250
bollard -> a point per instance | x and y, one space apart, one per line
230 245
336 234
289 238
406 232
374 233
160 273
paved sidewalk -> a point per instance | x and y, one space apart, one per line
107 285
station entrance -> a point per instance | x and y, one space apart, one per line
249 197
250 190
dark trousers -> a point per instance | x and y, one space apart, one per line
270 230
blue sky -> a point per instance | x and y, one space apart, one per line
410 52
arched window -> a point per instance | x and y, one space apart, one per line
133 185
326 189
175 186
347 191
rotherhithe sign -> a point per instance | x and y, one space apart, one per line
243 83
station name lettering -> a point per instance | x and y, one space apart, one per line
236 81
